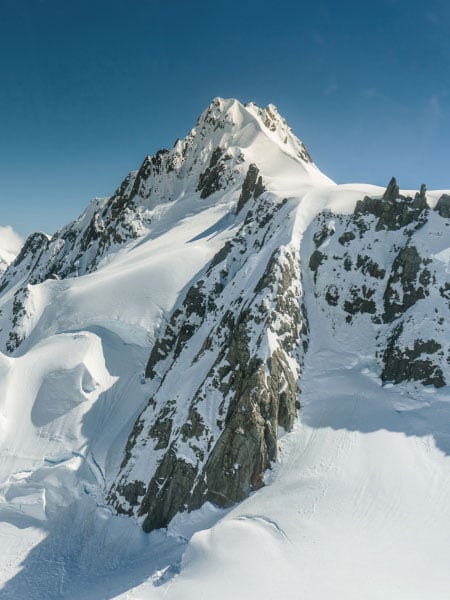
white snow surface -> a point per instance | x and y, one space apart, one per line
358 504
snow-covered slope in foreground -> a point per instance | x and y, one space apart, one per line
358 506
242 272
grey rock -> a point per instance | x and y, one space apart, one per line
393 210
230 449
332 295
210 181
346 237
443 206
368 266
316 259
252 187
361 301
405 271
167 492
392 191
407 364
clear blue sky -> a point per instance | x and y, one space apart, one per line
89 87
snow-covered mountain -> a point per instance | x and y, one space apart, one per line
236 349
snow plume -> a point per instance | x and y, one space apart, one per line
10 240
10 244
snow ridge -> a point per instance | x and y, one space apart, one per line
237 338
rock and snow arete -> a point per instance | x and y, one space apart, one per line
231 377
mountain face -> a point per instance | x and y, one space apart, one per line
237 338
241 331
158 349
389 268
210 166
209 160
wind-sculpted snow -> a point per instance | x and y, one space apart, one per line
235 349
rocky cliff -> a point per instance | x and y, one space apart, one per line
384 268
237 338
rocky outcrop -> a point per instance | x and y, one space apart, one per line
216 442
315 260
215 177
19 318
416 363
393 210
30 255
443 206
252 186
376 273
407 283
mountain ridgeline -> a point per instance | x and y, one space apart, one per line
225 362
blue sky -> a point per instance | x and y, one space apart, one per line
88 88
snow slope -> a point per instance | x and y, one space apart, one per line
356 503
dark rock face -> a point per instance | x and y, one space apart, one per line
133 491
210 180
34 245
443 206
346 237
369 267
444 291
361 301
167 492
260 402
332 295
392 191
19 316
375 274
218 446
31 254
416 363
393 210
316 259
252 186
403 289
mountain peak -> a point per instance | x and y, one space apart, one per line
231 116
227 106
234 150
